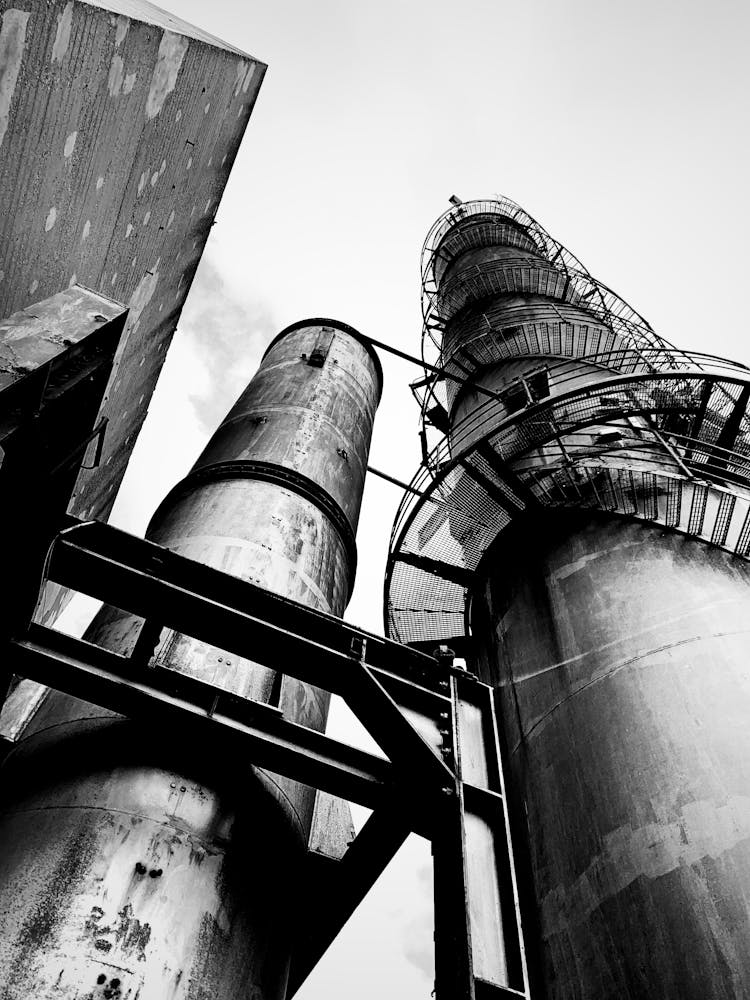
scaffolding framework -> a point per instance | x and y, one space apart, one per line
446 785
673 445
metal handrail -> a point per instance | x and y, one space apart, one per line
506 208
642 453
622 360
649 392
448 452
612 311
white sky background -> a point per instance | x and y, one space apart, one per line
622 127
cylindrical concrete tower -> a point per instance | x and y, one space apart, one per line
133 868
584 523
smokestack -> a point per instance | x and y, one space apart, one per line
131 867
589 478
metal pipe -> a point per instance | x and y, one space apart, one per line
138 867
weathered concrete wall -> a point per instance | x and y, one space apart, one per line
41 334
118 129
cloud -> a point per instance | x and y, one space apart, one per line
418 951
226 337
418 945
214 354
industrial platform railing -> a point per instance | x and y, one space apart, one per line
671 447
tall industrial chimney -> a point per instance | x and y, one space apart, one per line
581 532
130 867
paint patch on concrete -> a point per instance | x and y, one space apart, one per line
128 230
240 76
70 145
146 217
704 829
163 167
33 286
248 77
154 178
99 183
207 108
62 35
142 182
51 219
172 49
116 71
140 298
129 83
170 220
86 230
73 280
123 23
12 40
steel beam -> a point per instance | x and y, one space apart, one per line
202 602
103 561
196 710
456 574
343 887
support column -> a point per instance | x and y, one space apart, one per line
133 866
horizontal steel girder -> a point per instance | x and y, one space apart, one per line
197 600
195 709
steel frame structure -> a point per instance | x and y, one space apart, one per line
680 422
444 781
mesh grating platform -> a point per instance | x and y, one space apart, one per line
631 425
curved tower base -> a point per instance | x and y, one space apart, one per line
620 655
130 871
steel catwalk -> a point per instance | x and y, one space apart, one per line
582 529
131 867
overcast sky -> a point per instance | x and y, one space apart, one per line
622 127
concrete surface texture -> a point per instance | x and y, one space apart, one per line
118 129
